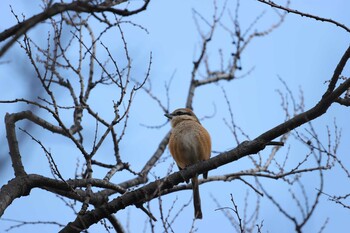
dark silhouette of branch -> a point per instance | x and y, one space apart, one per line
153 189
289 10
80 75
78 6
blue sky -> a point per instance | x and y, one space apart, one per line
302 51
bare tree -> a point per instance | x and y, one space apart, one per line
73 63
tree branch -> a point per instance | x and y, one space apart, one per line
78 6
289 10
152 190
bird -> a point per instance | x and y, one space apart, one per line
189 143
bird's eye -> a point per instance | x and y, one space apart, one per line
179 113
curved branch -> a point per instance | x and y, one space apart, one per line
22 185
11 136
116 224
154 189
78 6
10 120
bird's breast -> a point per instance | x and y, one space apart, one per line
187 144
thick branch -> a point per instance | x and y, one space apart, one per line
22 185
10 120
343 101
154 189
17 165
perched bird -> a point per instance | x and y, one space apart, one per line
189 143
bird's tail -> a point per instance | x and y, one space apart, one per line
196 198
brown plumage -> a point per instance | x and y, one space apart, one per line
189 143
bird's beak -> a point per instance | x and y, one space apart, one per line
168 115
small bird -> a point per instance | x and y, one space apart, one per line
189 143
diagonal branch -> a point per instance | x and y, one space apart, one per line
289 10
78 6
337 72
154 189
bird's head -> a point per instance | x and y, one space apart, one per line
181 114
